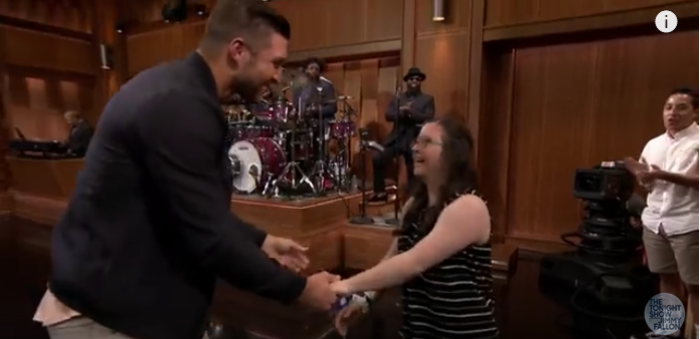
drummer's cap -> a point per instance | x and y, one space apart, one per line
251 20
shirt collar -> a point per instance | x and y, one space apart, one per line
688 131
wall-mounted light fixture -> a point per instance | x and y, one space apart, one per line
106 61
438 10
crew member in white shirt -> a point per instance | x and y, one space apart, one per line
668 169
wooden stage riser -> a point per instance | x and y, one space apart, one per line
295 221
320 226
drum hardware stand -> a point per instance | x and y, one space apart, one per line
349 112
363 219
320 173
292 168
397 201
340 162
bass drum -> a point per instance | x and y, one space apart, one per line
255 161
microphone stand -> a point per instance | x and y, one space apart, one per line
321 143
397 123
363 219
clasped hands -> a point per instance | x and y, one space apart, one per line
322 289
405 110
644 172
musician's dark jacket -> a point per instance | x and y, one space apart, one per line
309 92
149 227
407 126
79 138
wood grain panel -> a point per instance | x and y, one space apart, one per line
46 51
496 120
104 28
148 49
444 58
68 14
316 24
573 106
145 11
35 101
371 84
442 51
514 12
328 23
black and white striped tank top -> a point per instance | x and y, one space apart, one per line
452 299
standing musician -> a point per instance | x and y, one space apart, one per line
317 92
408 111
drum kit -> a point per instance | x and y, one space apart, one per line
278 150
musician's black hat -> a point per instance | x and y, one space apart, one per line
314 60
414 72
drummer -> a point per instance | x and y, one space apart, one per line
317 93
264 101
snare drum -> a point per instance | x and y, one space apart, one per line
257 160
341 129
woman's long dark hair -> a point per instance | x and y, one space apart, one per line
459 172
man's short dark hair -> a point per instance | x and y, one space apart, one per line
231 19
693 94
314 60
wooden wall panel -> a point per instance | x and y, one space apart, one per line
315 23
556 108
47 64
146 11
371 83
145 50
66 14
35 101
104 27
442 52
501 13
29 48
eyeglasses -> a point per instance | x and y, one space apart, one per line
424 142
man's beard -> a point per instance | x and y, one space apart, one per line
247 88
246 84
313 77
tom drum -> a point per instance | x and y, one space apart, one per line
341 129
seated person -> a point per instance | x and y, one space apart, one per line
316 93
80 134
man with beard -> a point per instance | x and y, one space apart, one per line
408 111
149 228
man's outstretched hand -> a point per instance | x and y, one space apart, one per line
287 252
